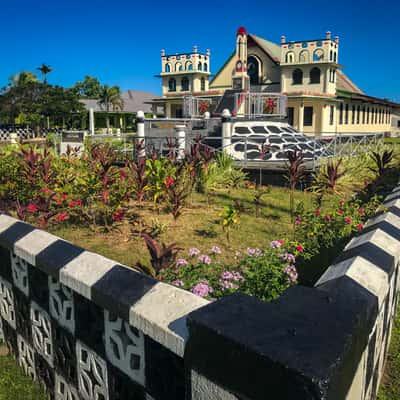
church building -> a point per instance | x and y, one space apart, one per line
321 99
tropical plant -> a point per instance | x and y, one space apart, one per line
161 255
382 161
328 179
110 98
295 173
89 88
158 172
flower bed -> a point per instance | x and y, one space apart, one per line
259 247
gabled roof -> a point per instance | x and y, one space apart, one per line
271 48
344 83
134 101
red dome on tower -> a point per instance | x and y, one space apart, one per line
242 31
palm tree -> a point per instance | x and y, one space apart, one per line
44 69
110 98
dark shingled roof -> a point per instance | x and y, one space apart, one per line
134 101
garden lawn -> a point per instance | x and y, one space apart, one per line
15 385
198 227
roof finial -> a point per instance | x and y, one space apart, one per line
283 39
328 34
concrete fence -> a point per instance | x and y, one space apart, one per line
89 328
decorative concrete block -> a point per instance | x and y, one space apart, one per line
92 374
42 333
19 268
61 303
125 347
7 308
63 390
167 323
26 357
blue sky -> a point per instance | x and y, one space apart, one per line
120 41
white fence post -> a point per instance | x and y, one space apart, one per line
140 133
180 129
226 130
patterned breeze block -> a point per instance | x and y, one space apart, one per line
86 327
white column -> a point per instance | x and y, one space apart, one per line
226 130
301 118
91 121
140 132
181 133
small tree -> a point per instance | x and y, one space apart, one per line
229 218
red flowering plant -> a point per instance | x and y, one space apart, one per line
106 187
325 228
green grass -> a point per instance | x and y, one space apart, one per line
15 385
198 226
390 387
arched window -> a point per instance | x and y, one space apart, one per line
363 118
203 84
205 67
172 85
315 75
367 115
346 114
358 114
334 56
353 114
331 55
178 67
185 84
304 56
318 55
253 70
167 67
200 66
290 57
297 77
189 66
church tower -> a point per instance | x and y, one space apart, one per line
310 66
240 78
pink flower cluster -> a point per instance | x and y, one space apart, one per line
180 262
289 257
178 283
254 252
204 258
202 289
276 244
230 280
216 250
291 272
194 251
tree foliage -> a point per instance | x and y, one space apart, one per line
89 88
